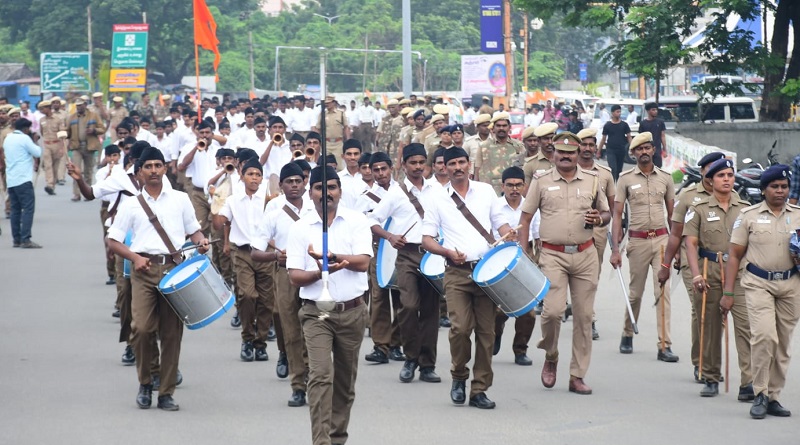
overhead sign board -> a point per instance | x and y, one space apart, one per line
122 80
492 26
129 46
64 72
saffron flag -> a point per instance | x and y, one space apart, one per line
205 31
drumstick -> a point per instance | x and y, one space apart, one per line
503 238
270 244
703 317
724 321
409 229
194 246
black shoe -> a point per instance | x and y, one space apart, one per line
407 371
746 393
247 352
145 397
444 322
155 381
298 398
111 281
429 375
774 408
626 345
50 190
395 354
16 244
282 367
595 334
457 394
760 406
539 308
115 314
377 356
567 313
711 389
128 358
261 354
667 356
179 378
497 341
522 359
236 322
167 403
481 401
271 335
61 182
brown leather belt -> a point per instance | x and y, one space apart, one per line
341 306
333 139
469 265
199 189
53 141
569 249
246 247
647 234
159 260
412 247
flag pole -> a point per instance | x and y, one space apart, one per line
325 296
197 79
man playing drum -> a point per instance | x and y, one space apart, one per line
571 205
469 307
152 258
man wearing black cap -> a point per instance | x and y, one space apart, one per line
464 245
350 175
418 313
333 336
764 236
314 142
269 244
242 211
275 156
198 160
151 259
688 197
297 144
220 187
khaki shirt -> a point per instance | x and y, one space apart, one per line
116 116
422 135
485 109
78 127
431 144
49 127
563 205
161 113
687 198
766 236
335 123
647 195
494 157
472 145
101 111
535 165
605 185
711 224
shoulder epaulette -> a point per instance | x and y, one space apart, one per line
626 172
747 209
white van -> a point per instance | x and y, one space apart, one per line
674 109
570 97
638 107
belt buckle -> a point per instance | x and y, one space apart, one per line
571 249
339 307
725 257
158 260
651 234
776 276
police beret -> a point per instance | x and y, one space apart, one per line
587 133
414 149
252 163
513 172
289 170
329 99
456 127
437 118
364 158
454 153
223 152
419 113
85 98
78 101
398 96
641 138
482 119
446 129
298 137
58 99
709 158
406 110
351 143
528 132
485 98
545 129
719 164
441 109
166 97
243 154
566 141
313 135
303 164
501 115
391 103
774 172
276 120
380 156
316 174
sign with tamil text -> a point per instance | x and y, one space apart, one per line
483 74
129 46
127 80
64 72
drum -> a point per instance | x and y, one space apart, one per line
190 253
511 279
196 292
387 256
432 267
126 264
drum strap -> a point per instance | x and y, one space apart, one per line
176 256
414 200
462 207
113 211
373 197
291 213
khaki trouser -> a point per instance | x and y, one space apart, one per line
287 301
712 328
600 241
333 347
419 310
470 309
523 329
202 209
52 159
578 272
773 308
222 261
61 170
256 290
686 277
151 316
84 160
123 301
110 261
644 255
335 148
384 325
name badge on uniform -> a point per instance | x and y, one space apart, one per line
763 220
636 186
712 216
540 171
697 198
553 188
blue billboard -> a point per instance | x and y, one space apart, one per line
492 26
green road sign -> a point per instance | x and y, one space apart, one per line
129 46
63 72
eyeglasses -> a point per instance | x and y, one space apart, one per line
517 185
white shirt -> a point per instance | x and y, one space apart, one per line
604 117
250 140
244 212
469 115
348 235
101 175
279 156
352 117
287 118
165 146
457 231
395 204
366 115
513 216
175 213
144 135
115 183
533 119
203 164
631 119
275 223
303 120
235 119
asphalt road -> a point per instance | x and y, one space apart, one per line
61 381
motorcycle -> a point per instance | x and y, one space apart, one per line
691 175
747 181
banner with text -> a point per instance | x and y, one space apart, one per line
129 46
124 80
492 26
483 74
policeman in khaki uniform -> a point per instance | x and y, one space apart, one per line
116 114
541 162
85 130
707 231
586 161
473 143
649 191
497 153
429 136
568 200
337 129
687 198
389 130
54 152
761 236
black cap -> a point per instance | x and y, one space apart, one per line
222 152
414 149
243 154
111 149
709 158
304 165
291 169
138 148
351 143
298 137
316 174
364 159
719 164
454 153
380 156
252 163
331 159
149 154
774 172
276 120
314 135
513 172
